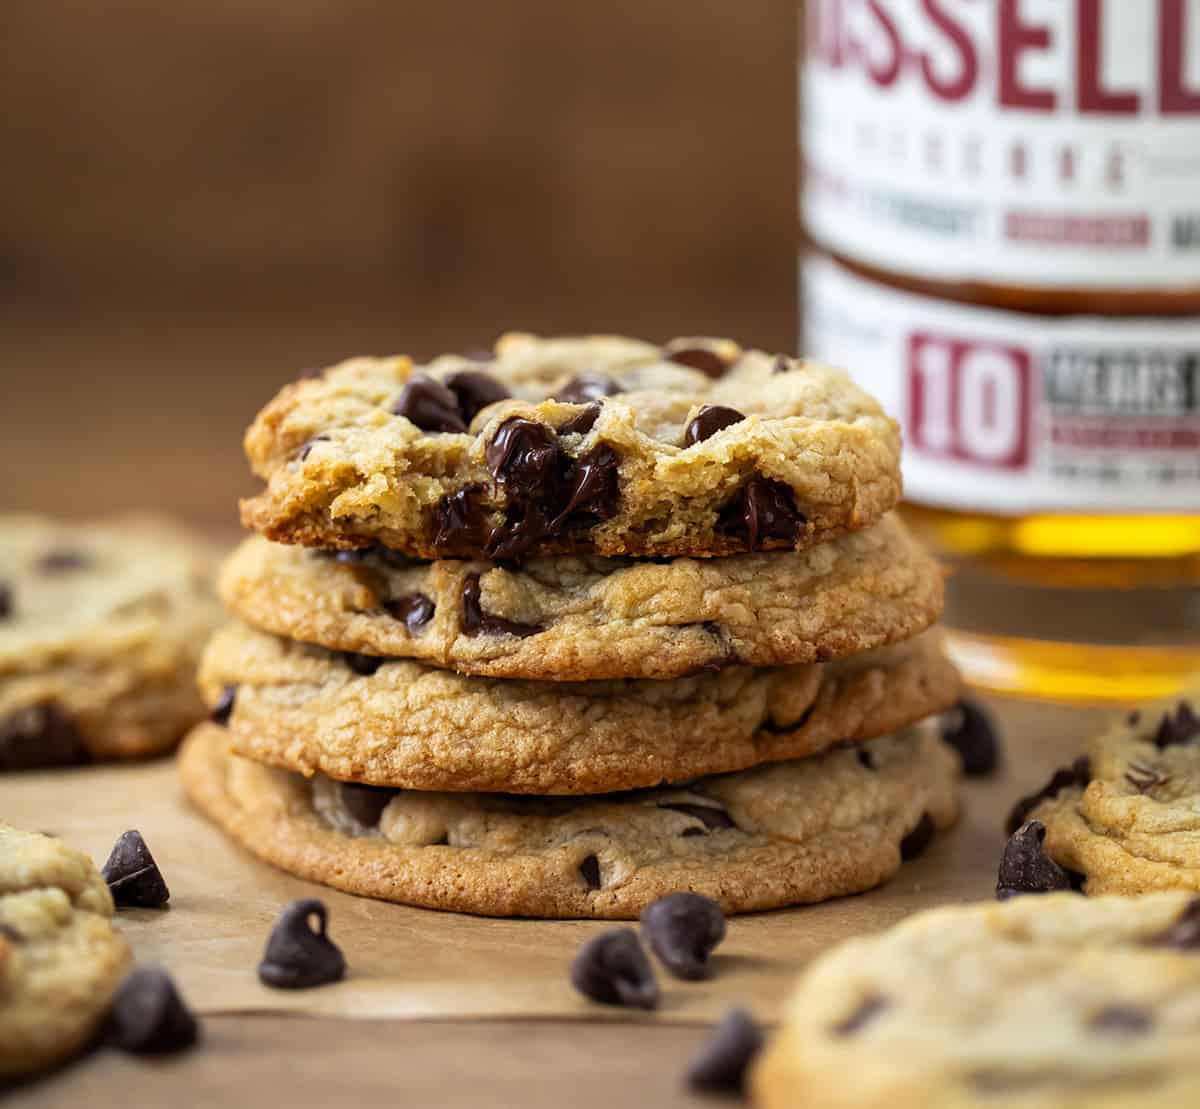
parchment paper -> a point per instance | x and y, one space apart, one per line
416 964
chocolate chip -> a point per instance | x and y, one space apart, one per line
298 955
1079 773
148 1015
865 758
133 876
588 387
914 844
62 560
708 421
1181 727
710 816
613 969
594 488
459 523
1133 718
724 1060
782 365
683 929
6 601
763 509
583 421
429 405
704 359
867 1010
223 709
365 665
306 450
590 869
524 456
1026 868
1121 1020
39 736
969 729
475 391
475 621
8 932
366 803
414 610
1184 934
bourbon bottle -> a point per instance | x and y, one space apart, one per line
1001 218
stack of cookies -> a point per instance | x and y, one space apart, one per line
560 628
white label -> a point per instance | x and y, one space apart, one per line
1010 413
1023 142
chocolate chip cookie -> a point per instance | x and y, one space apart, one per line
1054 1002
780 834
591 445
571 618
404 723
61 960
1126 815
101 627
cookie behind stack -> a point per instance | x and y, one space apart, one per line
557 630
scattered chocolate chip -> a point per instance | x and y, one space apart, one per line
6 601
459 523
588 387
1025 866
133 875
613 969
865 758
429 405
590 869
366 803
868 1009
1121 1020
298 955
594 488
62 560
708 421
366 665
475 621
704 359
782 365
39 736
10 933
1133 718
683 929
1181 727
1185 932
223 709
148 1015
583 421
475 391
413 610
306 450
762 509
724 1060
969 729
1079 773
914 844
710 816
1143 777
524 456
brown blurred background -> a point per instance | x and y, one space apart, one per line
199 200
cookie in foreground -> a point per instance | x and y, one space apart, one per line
1054 1002
550 446
61 959
403 723
782 834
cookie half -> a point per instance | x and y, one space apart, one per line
1126 816
404 723
101 628
780 834
573 618
61 960
1037 1003
553 446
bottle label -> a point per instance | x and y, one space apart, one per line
1011 413
1051 143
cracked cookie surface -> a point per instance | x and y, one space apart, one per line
571 618
61 960
404 723
550 446
780 834
101 628
1050 1002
